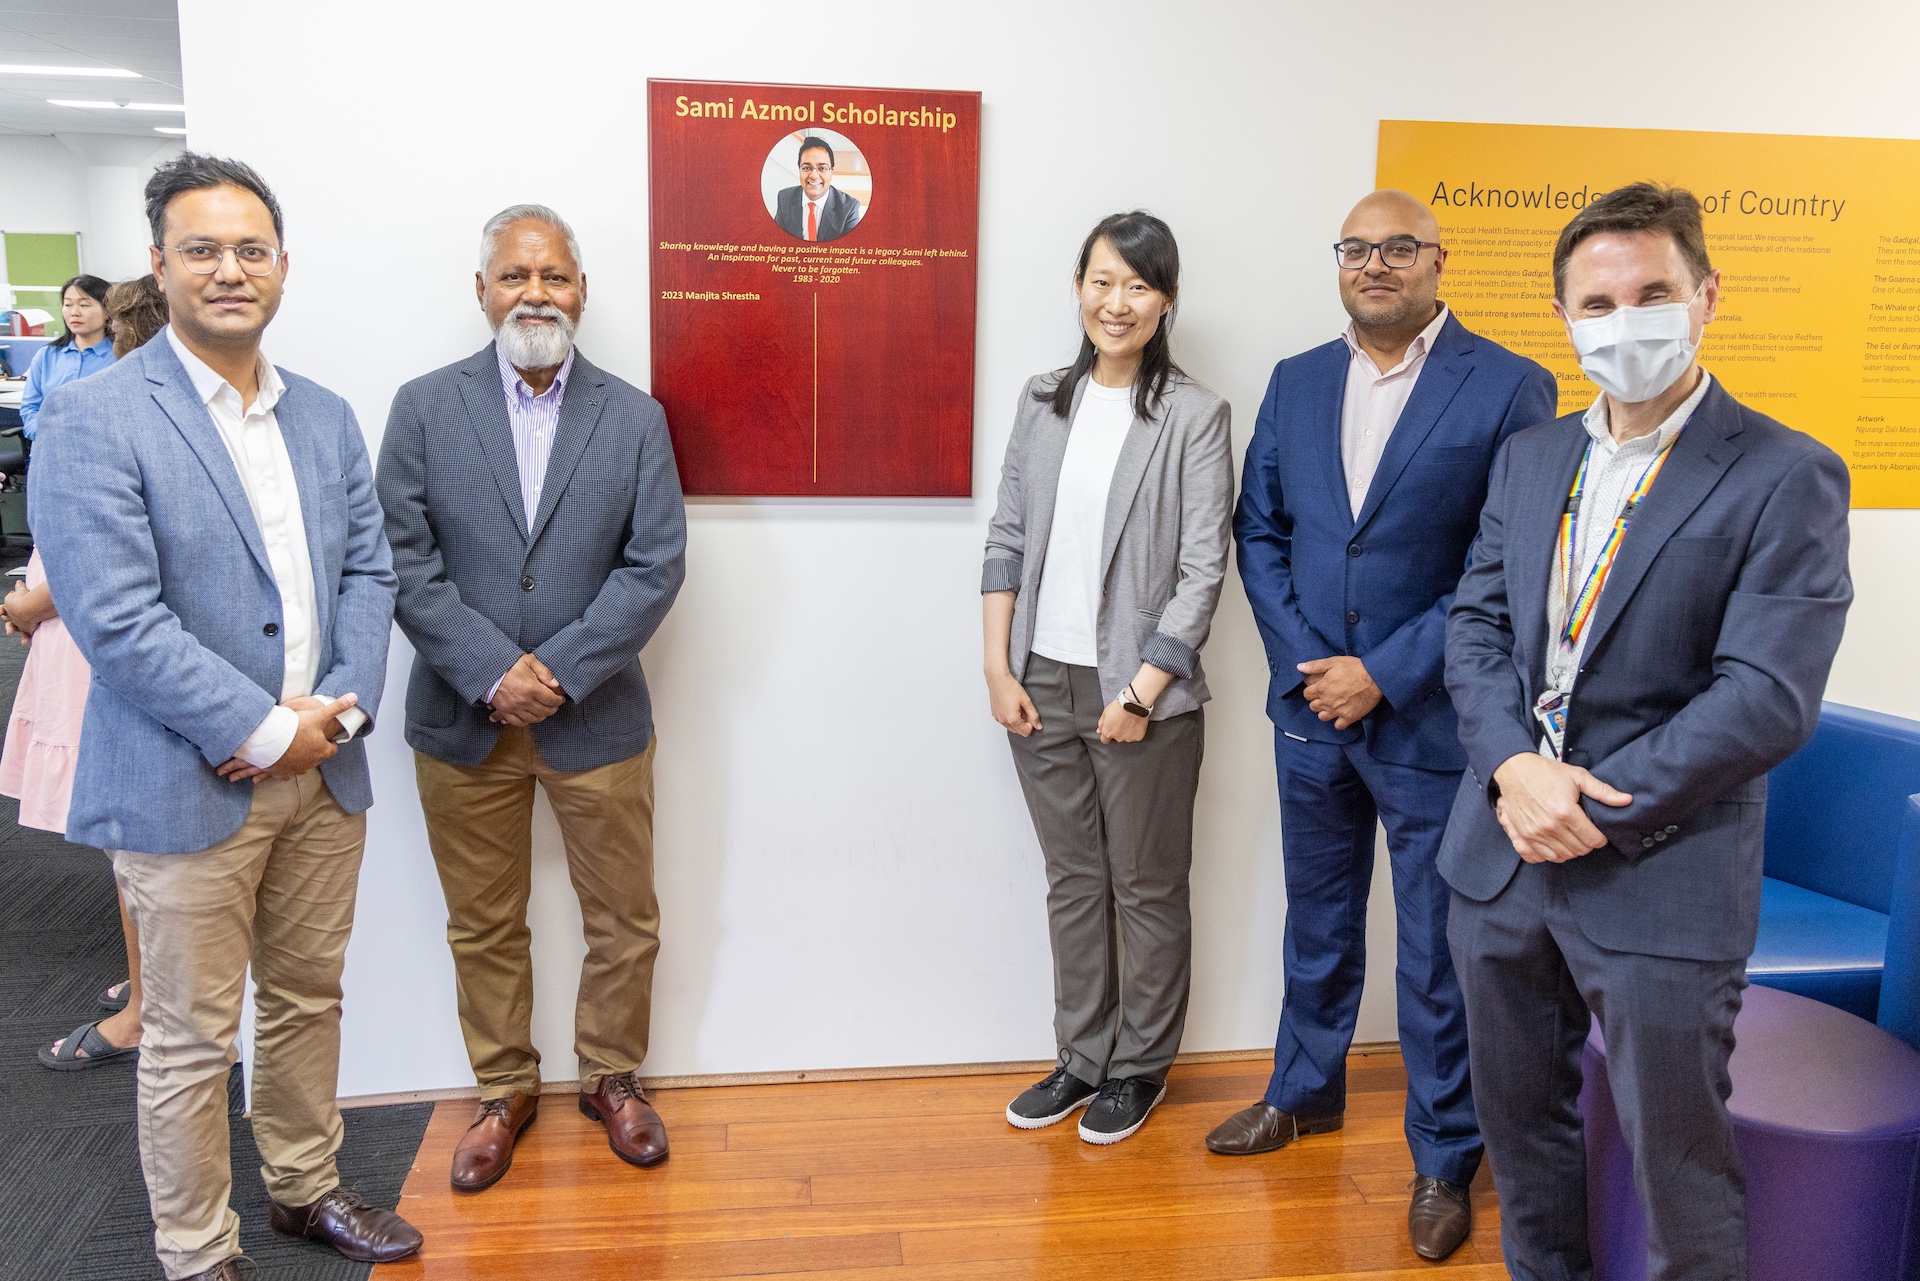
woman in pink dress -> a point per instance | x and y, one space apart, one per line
43 734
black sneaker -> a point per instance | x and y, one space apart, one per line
1049 1101
1120 1108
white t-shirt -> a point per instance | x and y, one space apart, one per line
1064 619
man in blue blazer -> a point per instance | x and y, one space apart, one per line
1366 472
539 537
1655 599
213 544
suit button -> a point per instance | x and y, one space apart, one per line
1659 836
1646 842
271 629
1353 549
1352 617
1672 828
526 584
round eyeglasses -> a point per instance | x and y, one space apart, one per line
203 257
1401 251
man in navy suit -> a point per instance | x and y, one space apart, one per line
539 538
1655 599
1363 484
816 209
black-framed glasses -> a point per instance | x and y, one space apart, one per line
819 169
1400 251
203 257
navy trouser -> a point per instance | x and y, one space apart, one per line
1330 798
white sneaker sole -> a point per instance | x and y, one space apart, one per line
1094 1136
1042 1122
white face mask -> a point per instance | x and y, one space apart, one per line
1635 353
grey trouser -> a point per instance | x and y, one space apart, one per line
1115 822
1530 976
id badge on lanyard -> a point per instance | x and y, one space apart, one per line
1550 709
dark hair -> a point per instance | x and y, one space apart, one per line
813 142
1640 206
191 171
1146 244
94 287
136 311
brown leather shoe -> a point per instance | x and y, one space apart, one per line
485 1151
1440 1217
1265 1128
634 1130
364 1233
226 1270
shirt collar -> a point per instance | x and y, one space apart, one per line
209 385
516 386
1420 346
1597 427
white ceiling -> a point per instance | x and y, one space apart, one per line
138 35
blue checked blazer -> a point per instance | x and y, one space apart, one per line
583 591
160 574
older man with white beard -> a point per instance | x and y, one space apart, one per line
539 538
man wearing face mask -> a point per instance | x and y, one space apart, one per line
539 538
1363 487
1654 601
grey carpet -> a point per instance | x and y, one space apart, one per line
73 1205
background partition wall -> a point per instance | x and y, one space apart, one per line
847 871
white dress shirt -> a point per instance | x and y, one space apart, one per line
259 452
1613 473
1066 615
1374 403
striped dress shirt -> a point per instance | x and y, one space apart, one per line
533 420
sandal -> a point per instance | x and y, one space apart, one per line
115 998
86 1037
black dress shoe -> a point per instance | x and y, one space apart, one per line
1120 1108
1440 1217
1265 1128
1049 1101
364 1233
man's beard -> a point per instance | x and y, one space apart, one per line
535 346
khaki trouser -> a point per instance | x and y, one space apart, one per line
480 827
277 893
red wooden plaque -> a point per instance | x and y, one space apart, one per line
840 365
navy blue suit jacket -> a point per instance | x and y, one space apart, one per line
1378 587
1706 661
583 592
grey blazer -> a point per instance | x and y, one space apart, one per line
1164 544
583 591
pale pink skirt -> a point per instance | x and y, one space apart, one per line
43 735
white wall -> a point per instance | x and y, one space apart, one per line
88 183
848 874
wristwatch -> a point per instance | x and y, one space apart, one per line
1130 702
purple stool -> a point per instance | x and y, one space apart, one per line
1826 1111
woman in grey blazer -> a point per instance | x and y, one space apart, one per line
1103 567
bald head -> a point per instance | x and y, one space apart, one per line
1391 305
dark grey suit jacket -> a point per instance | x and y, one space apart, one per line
839 215
583 591
1709 654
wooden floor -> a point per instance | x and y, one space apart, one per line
925 1179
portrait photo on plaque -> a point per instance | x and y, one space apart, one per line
816 184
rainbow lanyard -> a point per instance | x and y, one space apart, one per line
1580 607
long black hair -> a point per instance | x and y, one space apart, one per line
94 288
1145 244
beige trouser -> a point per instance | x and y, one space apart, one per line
480 826
277 893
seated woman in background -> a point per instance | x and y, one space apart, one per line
82 350
1103 567
43 735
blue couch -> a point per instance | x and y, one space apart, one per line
1840 905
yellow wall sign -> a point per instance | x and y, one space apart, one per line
1817 241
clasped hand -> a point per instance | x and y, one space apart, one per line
312 741
528 694
1539 807
1339 689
